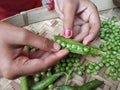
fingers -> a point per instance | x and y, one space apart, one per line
29 38
64 9
78 21
21 37
83 32
28 67
69 16
37 54
76 31
94 22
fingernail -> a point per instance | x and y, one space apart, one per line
86 43
56 46
67 33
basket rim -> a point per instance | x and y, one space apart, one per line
32 16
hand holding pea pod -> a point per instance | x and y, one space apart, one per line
14 60
80 17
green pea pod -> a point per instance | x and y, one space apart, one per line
24 83
76 47
44 83
88 86
66 87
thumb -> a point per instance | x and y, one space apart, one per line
39 42
69 15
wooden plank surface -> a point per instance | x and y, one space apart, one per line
32 16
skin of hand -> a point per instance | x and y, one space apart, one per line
80 16
15 62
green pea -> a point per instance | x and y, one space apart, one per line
37 33
36 79
49 74
87 64
107 64
101 64
113 70
118 70
112 63
94 73
106 75
63 44
116 66
93 63
38 75
62 69
111 74
64 65
43 73
77 60
91 67
86 49
97 68
68 46
88 71
70 64
76 69
51 86
118 75
114 77
49 69
82 68
67 68
79 73
74 46
78 64
27 48
58 41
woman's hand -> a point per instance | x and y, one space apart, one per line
15 62
81 19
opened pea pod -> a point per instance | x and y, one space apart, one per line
76 47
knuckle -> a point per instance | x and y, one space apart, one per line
24 36
95 6
46 43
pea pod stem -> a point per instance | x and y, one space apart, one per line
67 76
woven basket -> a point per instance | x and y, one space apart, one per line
48 24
